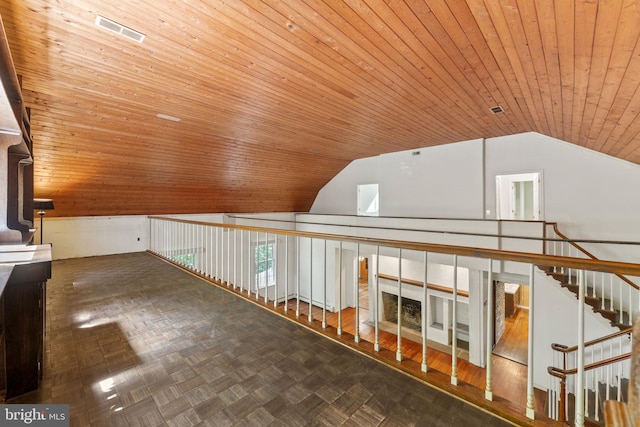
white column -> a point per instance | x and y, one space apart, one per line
454 327
228 257
297 276
324 285
399 334
376 340
425 296
579 415
266 267
356 336
340 290
488 391
310 315
216 272
286 273
275 272
256 266
241 260
530 397
235 258
249 258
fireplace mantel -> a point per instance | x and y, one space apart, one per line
430 286
439 300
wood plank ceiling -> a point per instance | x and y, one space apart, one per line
276 96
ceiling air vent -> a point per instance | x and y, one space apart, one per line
497 109
112 26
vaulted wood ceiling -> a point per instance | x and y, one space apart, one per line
277 96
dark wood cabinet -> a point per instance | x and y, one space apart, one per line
22 319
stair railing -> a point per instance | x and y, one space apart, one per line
606 368
613 295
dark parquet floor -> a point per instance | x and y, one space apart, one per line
132 340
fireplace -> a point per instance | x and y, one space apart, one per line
411 311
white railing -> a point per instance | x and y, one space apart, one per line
614 296
606 374
318 273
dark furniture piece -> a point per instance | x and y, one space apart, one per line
22 322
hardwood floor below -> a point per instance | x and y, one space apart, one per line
509 379
513 344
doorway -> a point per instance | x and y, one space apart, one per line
511 321
363 283
518 196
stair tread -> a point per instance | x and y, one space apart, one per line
615 317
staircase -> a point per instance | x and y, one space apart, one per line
594 414
602 305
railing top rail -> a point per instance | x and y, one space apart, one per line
474 252
564 373
422 230
589 254
565 349
406 217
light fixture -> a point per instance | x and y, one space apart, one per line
167 117
42 205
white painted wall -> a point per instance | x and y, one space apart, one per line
590 195
361 171
556 321
442 181
77 237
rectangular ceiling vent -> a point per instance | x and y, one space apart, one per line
114 27
497 109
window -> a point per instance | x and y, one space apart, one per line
187 260
368 200
265 265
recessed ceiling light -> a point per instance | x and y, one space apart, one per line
497 109
114 27
168 117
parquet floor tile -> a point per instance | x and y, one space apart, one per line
131 340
